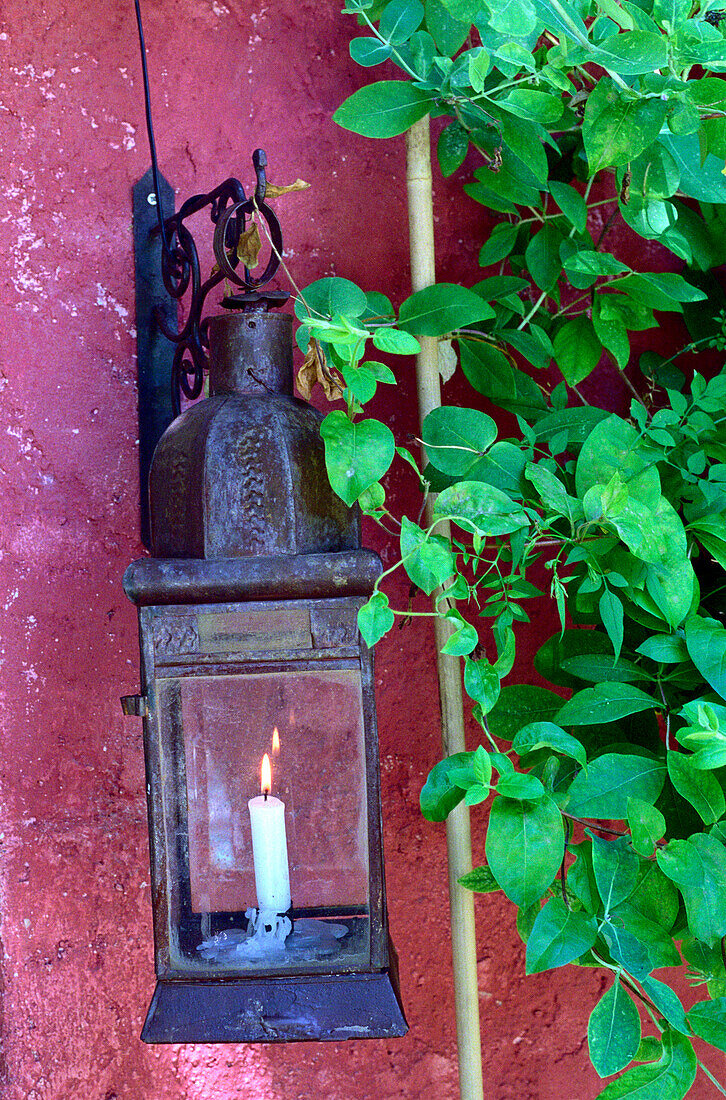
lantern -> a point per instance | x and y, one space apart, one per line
257 695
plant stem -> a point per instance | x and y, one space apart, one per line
711 1078
667 717
630 386
590 206
533 310
591 825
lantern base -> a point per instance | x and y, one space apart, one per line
276 1010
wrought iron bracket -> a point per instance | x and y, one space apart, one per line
155 352
171 361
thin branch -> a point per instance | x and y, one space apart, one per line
668 724
563 868
631 387
592 825
711 1078
606 228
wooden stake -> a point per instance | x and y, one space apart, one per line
458 832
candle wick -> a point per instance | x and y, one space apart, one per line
265 794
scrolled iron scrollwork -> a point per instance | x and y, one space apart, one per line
229 210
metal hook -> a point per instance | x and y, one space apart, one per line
259 160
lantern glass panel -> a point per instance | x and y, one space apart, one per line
222 725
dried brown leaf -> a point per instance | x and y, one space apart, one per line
307 376
273 192
248 249
315 369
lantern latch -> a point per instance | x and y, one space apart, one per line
134 706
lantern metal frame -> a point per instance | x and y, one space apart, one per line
172 596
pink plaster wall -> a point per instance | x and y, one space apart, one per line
76 964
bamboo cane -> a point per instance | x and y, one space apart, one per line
458 832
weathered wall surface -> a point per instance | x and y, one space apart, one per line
75 909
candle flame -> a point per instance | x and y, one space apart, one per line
266 775
275 740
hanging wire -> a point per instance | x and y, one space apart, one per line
150 132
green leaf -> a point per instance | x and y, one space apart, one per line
611 613
490 373
650 1049
480 507
655 898
480 880
524 847
383 109
552 492
571 203
552 657
499 244
533 104
633 53
456 438
617 129
701 179
659 947
375 618
502 466
612 333
589 262
542 256
395 342
329 297
399 20
559 936
482 683
667 1003
577 349
706 641
369 51
521 785
515 17
428 559
628 950
602 668
360 381
441 308
449 34
708 1020
669 13
540 735
613 1032
562 18
602 789
356 455
699 788
464 637
647 825
452 148
612 447
665 648
669 1078
697 867
604 703
519 705
616 868
440 795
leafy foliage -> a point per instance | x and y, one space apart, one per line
578 114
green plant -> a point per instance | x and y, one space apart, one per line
607 811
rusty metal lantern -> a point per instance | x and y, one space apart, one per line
256 689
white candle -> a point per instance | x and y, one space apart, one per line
269 847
